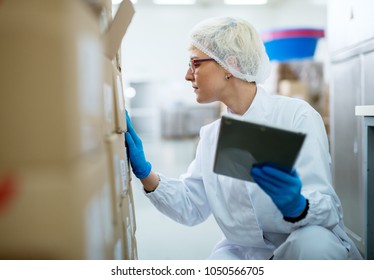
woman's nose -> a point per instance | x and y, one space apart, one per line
189 76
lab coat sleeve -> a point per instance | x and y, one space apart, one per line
183 200
314 169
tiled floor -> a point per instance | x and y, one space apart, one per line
159 237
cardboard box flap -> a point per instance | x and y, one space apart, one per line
113 37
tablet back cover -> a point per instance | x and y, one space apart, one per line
242 143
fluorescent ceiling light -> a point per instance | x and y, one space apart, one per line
246 2
174 2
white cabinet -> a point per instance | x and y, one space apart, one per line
346 144
350 22
351 44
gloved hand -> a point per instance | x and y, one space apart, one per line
283 188
140 166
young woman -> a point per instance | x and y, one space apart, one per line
294 215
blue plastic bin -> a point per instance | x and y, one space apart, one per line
291 44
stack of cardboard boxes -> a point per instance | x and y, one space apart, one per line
303 79
65 182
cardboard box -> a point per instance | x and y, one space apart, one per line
119 102
135 250
114 99
117 176
112 42
127 206
128 227
51 72
108 98
293 88
103 12
118 251
119 60
100 5
114 174
131 206
58 211
117 164
123 164
113 37
51 101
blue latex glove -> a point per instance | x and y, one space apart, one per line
140 166
283 188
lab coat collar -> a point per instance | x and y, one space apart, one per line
259 109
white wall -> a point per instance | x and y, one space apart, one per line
155 47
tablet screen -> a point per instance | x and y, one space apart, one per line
242 143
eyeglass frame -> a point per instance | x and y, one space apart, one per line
192 62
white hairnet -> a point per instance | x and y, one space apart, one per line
235 45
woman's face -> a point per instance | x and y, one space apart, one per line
208 81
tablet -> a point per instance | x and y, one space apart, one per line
242 143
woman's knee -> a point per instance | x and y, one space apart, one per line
311 243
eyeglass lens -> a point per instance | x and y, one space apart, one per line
192 62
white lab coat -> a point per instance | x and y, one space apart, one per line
246 215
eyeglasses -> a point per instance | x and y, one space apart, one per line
194 62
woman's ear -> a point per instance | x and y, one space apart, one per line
232 62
